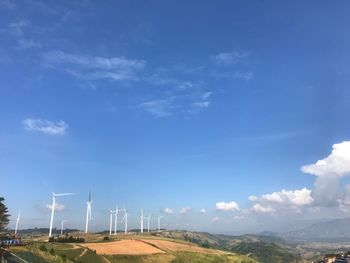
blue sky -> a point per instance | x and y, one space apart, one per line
173 106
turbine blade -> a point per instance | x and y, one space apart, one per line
64 194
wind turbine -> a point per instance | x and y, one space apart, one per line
141 221
148 221
110 220
62 223
17 221
159 217
125 219
53 208
116 220
88 212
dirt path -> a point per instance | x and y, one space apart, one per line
81 254
106 259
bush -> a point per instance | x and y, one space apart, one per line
52 251
43 248
106 238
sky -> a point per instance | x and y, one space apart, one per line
227 117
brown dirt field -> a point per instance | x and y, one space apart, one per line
174 246
124 247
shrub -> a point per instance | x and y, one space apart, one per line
43 248
52 251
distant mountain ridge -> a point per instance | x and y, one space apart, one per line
336 230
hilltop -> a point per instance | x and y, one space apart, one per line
154 247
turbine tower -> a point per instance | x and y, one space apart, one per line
17 221
53 208
116 220
125 219
110 220
62 223
141 221
159 217
148 221
88 212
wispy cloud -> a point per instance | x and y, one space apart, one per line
243 75
95 67
168 210
158 108
28 44
45 126
7 4
185 210
17 28
227 206
58 207
201 104
229 58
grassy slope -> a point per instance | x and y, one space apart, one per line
72 253
261 248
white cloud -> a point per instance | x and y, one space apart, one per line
58 207
7 4
282 201
185 210
245 75
297 197
95 67
336 164
262 209
252 198
17 28
45 126
227 206
328 172
158 108
201 104
168 210
228 58
207 95
28 43
215 219
203 211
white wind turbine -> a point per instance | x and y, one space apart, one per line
88 212
110 220
62 223
148 221
116 220
17 221
53 208
159 217
125 219
141 221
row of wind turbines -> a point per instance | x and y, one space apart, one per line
89 217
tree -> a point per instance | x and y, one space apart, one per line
4 216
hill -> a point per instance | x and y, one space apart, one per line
337 230
267 249
125 248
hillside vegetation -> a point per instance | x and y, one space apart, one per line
174 251
261 248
